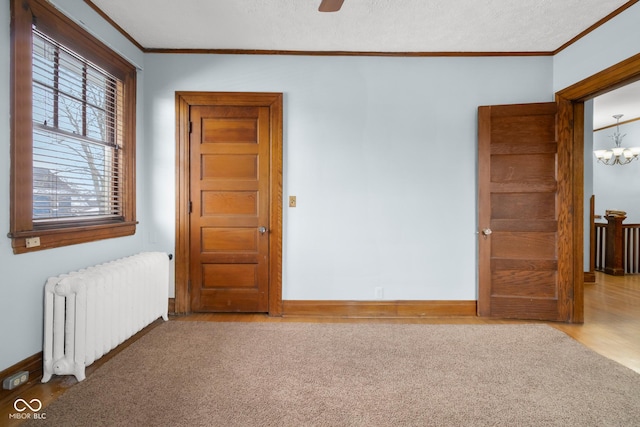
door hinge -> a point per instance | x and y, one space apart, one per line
190 206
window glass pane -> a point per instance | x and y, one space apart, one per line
100 95
75 160
72 176
96 124
69 114
70 74
43 62
42 105
72 132
97 90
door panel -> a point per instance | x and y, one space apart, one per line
522 206
229 275
229 202
229 183
229 166
521 217
219 239
539 283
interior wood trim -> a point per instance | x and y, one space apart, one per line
114 24
613 77
576 125
357 53
184 100
56 238
58 383
332 308
276 206
341 53
171 309
616 124
618 75
55 24
592 237
33 365
589 277
484 208
182 300
601 22
568 181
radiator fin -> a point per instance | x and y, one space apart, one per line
91 311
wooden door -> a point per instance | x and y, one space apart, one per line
229 195
523 214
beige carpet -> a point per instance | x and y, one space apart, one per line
297 374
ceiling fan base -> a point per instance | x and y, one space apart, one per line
330 5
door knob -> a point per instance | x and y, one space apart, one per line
262 230
486 231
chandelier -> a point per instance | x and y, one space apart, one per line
617 155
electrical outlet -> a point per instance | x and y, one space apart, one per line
292 201
15 380
32 242
379 292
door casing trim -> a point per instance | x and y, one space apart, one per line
573 98
184 100
571 134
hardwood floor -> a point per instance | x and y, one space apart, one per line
612 319
611 328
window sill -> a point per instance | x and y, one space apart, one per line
56 238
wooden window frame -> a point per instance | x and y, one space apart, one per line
53 23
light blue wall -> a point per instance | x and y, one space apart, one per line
380 152
617 187
22 277
611 43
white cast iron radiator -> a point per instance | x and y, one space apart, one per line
89 312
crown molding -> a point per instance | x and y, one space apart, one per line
356 53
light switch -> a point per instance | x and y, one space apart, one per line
292 201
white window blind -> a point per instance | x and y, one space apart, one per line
77 136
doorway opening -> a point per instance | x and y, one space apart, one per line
571 125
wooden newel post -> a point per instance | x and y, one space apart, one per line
614 250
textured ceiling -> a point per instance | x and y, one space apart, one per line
360 26
422 26
625 100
